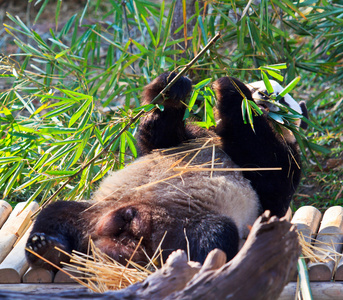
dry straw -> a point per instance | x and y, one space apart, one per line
318 251
99 272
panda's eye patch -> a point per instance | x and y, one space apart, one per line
264 94
283 102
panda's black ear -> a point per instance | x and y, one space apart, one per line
304 112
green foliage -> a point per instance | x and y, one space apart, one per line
61 107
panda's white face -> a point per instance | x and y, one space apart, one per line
261 95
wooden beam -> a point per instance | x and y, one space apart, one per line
15 264
5 210
15 226
38 275
320 291
307 219
329 240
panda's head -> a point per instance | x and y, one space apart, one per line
261 96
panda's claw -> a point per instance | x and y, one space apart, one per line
37 243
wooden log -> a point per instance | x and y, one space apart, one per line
34 291
15 226
16 211
320 291
339 271
38 275
329 240
62 277
15 264
307 219
5 210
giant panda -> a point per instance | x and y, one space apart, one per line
179 194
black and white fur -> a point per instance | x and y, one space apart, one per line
161 194
261 96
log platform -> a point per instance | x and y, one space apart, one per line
325 231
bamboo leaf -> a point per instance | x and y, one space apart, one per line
28 183
57 13
8 159
83 13
276 117
160 25
168 23
202 83
147 26
98 136
267 83
275 75
289 87
14 178
56 130
40 188
131 143
80 111
8 173
203 30
41 10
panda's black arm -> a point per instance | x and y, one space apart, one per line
164 129
260 148
59 224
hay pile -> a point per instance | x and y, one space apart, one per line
100 273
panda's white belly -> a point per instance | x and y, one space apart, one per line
158 178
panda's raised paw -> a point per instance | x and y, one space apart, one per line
44 245
39 243
174 97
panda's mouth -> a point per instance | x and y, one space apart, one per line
263 105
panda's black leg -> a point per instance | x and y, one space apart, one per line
164 129
202 233
209 232
258 148
58 225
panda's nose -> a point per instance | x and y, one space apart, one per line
264 95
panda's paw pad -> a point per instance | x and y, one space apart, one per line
40 243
